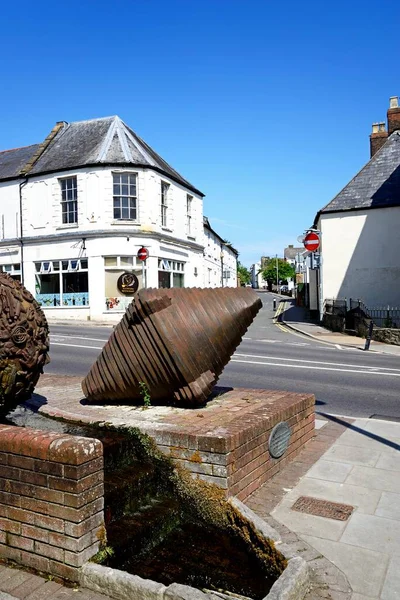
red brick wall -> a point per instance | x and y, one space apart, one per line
51 499
227 444
393 117
376 141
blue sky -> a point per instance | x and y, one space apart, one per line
264 106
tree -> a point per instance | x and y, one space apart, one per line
243 274
286 271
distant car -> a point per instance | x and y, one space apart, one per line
284 288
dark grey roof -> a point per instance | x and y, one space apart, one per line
377 185
292 252
101 141
12 161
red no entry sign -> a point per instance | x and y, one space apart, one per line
143 253
311 241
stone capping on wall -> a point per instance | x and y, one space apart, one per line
51 499
293 584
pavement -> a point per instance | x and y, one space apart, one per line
296 318
351 462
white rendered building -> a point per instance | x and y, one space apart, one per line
220 260
75 210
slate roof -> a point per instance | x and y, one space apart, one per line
12 161
377 185
107 141
292 252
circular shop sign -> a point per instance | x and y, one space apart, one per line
279 439
127 283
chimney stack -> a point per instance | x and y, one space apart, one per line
393 115
377 138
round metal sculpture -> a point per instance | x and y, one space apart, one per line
279 439
174 343
24 343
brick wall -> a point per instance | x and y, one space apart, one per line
51 499
227 444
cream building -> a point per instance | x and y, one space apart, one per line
76 209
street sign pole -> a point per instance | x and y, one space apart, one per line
143 255
369 336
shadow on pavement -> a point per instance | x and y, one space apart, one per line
368 434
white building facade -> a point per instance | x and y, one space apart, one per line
76 209
220 260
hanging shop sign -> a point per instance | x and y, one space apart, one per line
127 283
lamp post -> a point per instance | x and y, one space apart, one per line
277 273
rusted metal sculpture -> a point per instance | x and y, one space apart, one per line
174 342
24 342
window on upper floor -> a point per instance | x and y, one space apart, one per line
164 203
69 200
125 196
189 200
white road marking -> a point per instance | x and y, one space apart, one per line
358 372
317 362
76 346
76 337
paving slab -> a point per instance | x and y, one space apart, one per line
375 479
372 532
353 455
370 440
391 587
330 471
389 506
365 569
389 462
309 524
364 500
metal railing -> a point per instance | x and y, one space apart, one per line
386 317
335 306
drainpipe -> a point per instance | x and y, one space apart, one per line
21 239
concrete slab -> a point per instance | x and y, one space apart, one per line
391 588
365 569
356 596
367 440
371 532
330 471
389 506
301 523
319 423
352 455
383 428
376 479
391 463
364 500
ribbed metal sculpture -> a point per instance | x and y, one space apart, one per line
24 342
175 342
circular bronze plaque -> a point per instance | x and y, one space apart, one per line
127 283
279 439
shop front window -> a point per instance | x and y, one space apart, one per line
62 283
14 270
170 273
114 267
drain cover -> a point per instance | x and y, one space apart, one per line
323 508
279 439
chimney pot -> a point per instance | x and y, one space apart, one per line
375 127
394 102
382 126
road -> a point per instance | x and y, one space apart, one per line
345 381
